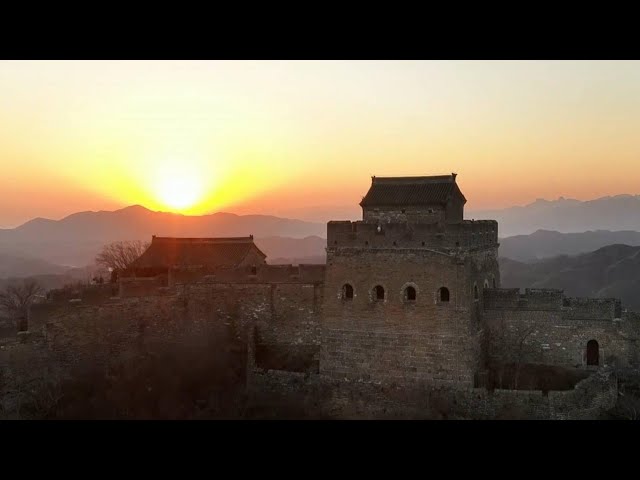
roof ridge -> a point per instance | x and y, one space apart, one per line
409 179
423 190
248 239
163 253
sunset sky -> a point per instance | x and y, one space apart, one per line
284 138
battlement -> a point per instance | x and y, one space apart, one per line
466 234
531 299
302 273
571 308
591 308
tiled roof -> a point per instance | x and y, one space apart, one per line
392 191
172 251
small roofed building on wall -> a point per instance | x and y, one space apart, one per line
177 259
432 199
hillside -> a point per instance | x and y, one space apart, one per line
544 243
20 266
611 271
76 239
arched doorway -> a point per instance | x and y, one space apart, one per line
443 294
347 292
593 353
378 293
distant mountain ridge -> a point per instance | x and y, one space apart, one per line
545 243
75 239
137 220
293 250
611 271
17 266
620 212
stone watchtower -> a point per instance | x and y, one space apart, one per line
403 287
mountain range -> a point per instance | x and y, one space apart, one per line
611 271
51 247
76 239
19 266
544 243
285 250
620 212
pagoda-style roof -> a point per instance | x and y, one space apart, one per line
397 191
165 252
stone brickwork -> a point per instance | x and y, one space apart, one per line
142 286
260 274
467 234
397 339
282 303
282 316
410 213
285 313
544 327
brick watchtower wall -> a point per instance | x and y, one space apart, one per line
397 339
542 326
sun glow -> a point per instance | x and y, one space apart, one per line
179 189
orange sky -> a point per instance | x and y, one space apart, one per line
279 137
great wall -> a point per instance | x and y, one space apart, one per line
406 319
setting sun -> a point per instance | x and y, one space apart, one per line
178 189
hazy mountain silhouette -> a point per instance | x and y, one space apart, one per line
611 271
75 239
621 212
545 243
293 250
17 266
48 281
319 214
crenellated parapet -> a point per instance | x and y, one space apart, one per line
468 234
548 299
591 308
531 299
303 273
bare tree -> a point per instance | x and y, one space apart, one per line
521 351
509 351
17 297
120 255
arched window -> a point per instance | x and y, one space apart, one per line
378 292
486 283
593 353
475 292
347 292
410 294
494 282
443 294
